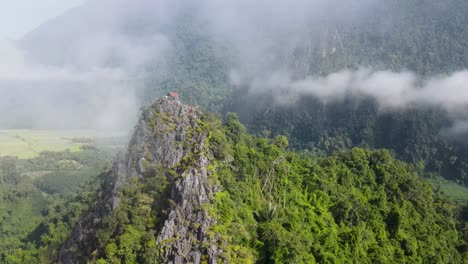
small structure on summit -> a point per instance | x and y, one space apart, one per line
173 96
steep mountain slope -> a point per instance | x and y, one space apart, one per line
353 207
424 36
159 190
193 190
417 135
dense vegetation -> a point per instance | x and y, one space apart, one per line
279 206
356 206
41 200
424 36
415 136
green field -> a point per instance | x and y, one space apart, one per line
450 189
27 144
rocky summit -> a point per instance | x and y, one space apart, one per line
169 143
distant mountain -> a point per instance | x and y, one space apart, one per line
217 56
84 32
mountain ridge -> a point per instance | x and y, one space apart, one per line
191 189
168 145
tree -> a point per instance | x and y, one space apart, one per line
9 172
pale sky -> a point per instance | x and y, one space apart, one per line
17 17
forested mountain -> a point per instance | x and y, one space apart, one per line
294 176
191 189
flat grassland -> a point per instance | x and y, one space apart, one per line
27 144
450 189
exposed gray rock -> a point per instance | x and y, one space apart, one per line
166 133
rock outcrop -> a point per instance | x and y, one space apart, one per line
168 137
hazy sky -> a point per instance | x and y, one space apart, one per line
18 17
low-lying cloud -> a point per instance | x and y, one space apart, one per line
392 90
96 91
34 95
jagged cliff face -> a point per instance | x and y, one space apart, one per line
168 140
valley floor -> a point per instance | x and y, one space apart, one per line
26 144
